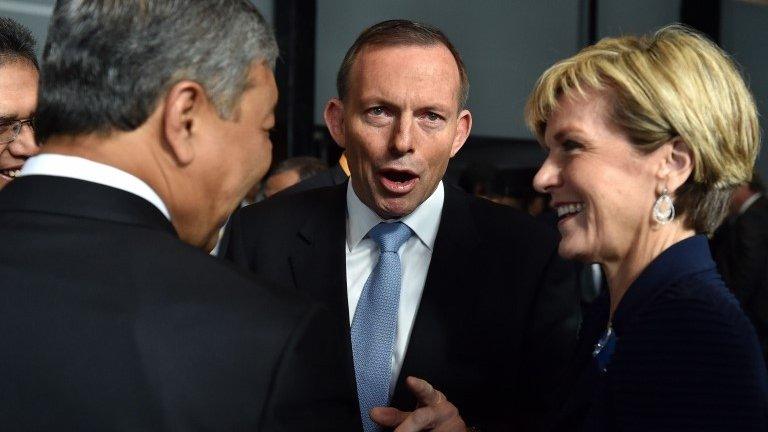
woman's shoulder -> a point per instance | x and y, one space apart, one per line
692 337
699 299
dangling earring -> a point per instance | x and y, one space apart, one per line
663 208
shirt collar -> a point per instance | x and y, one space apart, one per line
748 202
84 169
423 221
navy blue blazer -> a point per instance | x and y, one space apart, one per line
686 358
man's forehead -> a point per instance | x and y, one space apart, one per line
18 89
405 68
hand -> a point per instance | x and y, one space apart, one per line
434 412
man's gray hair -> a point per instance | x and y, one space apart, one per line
107 63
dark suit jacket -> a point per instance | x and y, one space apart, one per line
740 248
499 310
111 323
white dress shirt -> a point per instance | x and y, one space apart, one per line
83 169
362 254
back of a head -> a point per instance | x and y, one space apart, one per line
400 32
305 166
673 83
107 63
16 43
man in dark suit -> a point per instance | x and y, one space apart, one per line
740 248
112 317
423 279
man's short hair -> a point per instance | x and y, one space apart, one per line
107 63
306 166
400 33
16 43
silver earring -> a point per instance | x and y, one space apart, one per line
663 208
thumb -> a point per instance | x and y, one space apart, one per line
389 417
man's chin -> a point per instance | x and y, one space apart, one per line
395 208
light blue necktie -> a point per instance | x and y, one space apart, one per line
375 321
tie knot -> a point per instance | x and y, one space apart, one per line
390 236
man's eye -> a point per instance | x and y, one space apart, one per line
377 111
432 116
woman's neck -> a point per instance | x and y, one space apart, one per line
620 273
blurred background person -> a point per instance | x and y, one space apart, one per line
18 98
336 175
646 138
290 172
740 248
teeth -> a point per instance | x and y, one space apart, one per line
11 173
569 209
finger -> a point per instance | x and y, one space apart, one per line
424 392
454 425
388 417
422 418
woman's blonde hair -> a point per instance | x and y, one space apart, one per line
674 83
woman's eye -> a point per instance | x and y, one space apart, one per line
570 145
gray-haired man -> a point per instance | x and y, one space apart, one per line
155 117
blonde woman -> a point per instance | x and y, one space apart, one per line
646 138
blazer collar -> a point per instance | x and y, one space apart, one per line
82 199
328 216
681 260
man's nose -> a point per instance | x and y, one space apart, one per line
402 137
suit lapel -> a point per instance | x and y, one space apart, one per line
317 255
318 264
443 291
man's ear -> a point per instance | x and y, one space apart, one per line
182 113
334 120
677 164
463 127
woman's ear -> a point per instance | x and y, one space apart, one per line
677 164
180 116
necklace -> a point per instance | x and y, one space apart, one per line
604 348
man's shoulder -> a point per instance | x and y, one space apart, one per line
285 208
500 221
187 274
299 199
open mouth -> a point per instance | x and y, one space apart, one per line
567 211
10 174
398 181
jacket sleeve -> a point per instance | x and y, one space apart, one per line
312 389
551 338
